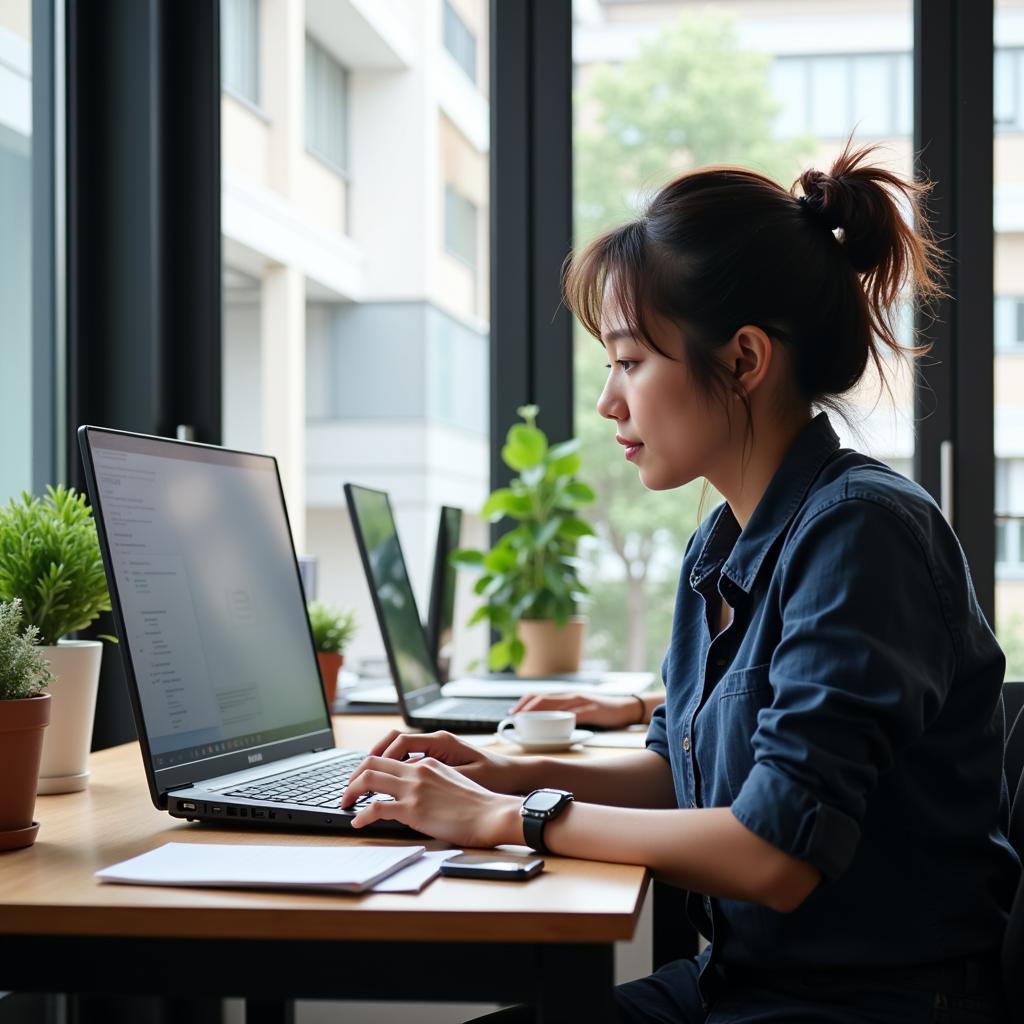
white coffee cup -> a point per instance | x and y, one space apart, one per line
540 726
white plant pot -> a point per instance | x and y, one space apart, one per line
75 665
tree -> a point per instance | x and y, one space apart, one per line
690 97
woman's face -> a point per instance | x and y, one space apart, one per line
669 430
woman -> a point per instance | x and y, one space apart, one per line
825 776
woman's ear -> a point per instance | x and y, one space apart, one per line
748 355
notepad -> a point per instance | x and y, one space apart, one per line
304 868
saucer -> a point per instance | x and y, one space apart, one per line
547 746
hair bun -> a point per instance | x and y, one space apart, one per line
858 199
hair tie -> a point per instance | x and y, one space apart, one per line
816 212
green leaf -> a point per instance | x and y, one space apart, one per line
466 557
504 502
567 465
563 448
484 612
573 528
524 447
500 559
580 493
499 656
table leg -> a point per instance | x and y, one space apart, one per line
576 984
269 1011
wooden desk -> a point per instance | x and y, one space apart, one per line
457 940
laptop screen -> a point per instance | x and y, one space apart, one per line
441 616
211 604
403 634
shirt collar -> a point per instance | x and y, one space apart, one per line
739 554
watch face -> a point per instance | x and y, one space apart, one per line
543 802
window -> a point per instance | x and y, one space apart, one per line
459 41
326 107
15 248
239 48
1009 90
1010 518
829 95
460 219
1009 323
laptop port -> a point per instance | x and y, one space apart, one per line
243 812
232 812
258 812
187 805
271 815
216 810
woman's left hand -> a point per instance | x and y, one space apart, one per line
435 799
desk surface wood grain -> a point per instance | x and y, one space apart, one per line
49 888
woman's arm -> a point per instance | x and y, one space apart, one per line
707 850
602 710
638 779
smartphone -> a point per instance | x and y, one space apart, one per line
496 866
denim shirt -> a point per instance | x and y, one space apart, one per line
850 714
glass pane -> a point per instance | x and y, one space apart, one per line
1009 337
239 48
662 87
16 246
355 343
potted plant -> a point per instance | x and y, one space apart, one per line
24 713
530 576
332 629
50 560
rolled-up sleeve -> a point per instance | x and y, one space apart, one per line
657 734
862 666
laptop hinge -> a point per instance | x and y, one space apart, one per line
317 750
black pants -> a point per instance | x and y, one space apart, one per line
670 996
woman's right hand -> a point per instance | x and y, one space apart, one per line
606 712
492 771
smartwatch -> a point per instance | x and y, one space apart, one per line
540 807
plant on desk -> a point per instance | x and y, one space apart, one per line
24 714
333 629
530 576
50 560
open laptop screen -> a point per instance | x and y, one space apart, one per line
211 605
412 664
441 616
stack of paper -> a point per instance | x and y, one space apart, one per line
335 868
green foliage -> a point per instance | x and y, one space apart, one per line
690 97
24 671
333 627
532 572
50 558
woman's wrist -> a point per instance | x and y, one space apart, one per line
508 821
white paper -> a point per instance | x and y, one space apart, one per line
338 868
414 876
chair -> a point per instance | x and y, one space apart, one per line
1013 763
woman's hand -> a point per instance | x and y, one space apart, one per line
436 799
492 771
591 709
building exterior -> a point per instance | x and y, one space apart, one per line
355 140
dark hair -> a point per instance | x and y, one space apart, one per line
722 247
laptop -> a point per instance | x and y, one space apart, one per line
413 668
441 608
441 633
217 649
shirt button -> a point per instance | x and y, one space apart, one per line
686 743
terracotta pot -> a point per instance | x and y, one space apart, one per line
75 665
21 747
551 649
330 665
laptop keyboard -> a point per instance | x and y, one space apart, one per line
466 709
319 786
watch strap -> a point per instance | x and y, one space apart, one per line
533 832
